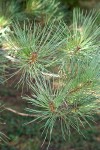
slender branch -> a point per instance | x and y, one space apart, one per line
80 87
18 113
50 75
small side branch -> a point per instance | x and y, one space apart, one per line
18 113
78 88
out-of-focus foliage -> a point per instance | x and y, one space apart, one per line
44 9
8 10
2 67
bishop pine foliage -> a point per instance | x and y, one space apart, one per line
72 104
34 49
59 64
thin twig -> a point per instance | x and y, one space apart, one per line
80 87
18 113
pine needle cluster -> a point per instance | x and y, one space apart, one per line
35 49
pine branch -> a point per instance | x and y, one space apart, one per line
34 57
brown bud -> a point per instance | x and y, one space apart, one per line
33 57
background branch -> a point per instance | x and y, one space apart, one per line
18 113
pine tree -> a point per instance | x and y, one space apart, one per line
60 66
